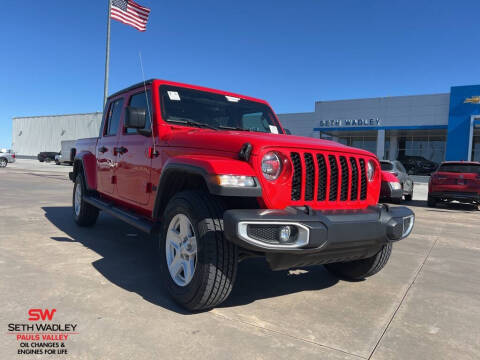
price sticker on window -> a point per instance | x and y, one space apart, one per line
273 129
173 95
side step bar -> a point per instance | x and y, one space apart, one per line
135 221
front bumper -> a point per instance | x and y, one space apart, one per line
457 195
317 236
387 192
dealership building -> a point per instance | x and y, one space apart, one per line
423 128
429 128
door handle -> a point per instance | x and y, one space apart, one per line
121 150
102 149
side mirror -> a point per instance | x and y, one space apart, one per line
136 118
287 131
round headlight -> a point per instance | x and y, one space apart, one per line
271 166
370 170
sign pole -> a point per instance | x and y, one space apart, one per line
107 56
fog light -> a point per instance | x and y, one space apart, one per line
285 232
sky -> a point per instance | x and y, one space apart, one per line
290 53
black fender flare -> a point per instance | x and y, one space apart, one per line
175 169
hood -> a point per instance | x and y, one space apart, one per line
232 141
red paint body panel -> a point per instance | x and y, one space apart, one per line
214 164
389 177
217 153
89 162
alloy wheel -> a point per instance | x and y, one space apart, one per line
78 198
181 250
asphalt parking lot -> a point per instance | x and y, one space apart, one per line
423 305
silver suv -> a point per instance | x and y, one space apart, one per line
6 156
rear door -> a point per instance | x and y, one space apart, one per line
106 154
134 162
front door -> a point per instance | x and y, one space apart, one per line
107 143
134 162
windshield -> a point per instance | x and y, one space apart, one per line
460 168
386 166
205 109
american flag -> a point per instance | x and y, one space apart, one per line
130 13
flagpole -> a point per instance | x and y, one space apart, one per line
107 56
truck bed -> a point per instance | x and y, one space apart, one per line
86 145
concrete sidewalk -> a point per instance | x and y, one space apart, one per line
423 305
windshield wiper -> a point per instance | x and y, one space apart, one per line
232 128
192 123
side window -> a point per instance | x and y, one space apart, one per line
258 122
140 101
113 118
400 166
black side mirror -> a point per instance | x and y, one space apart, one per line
136 118
287 131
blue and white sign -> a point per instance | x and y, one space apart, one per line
370 122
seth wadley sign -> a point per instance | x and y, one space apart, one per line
350 122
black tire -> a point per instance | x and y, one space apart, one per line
3 162
216 258
87 214
408 197
361 269
431 202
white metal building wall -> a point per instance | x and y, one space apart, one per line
31 135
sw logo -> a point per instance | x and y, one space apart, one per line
37 314
472 100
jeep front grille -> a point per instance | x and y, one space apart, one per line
319 177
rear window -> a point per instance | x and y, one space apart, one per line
460 168
386 166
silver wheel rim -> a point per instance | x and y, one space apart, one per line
181 250
78 198
3 163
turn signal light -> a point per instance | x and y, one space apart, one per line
235 181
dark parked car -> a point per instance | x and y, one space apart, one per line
418 165
396 168
455 180
46 156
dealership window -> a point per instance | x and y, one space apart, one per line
420 151
476 145
366 140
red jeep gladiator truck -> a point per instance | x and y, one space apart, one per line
214 178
